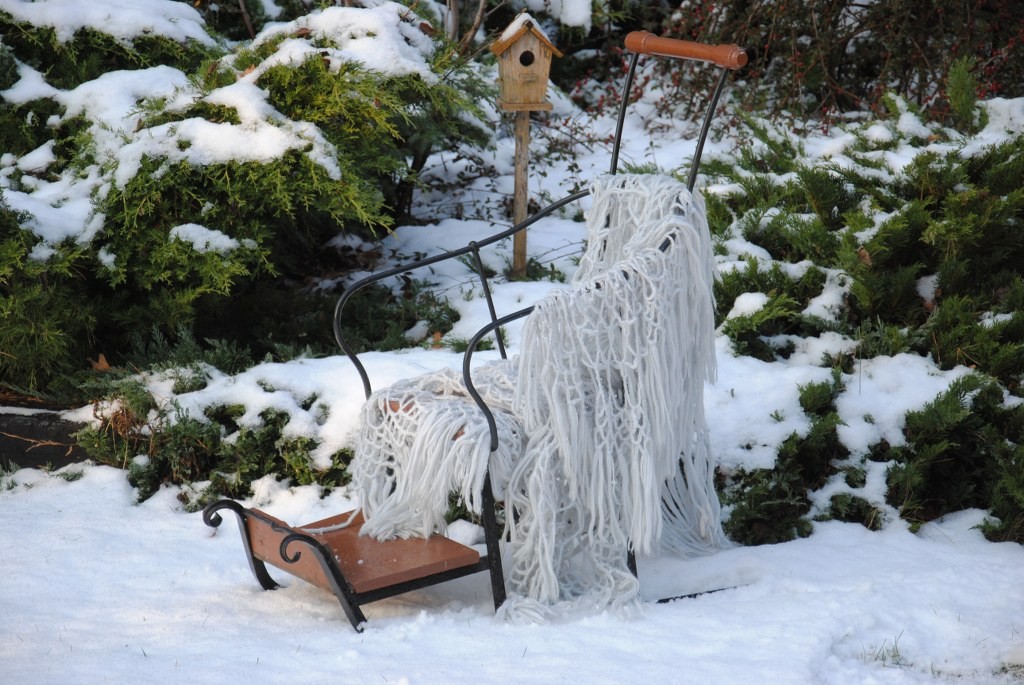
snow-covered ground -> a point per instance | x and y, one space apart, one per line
97 588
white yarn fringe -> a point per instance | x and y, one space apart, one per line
424 438
604 444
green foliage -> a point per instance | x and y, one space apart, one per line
235 19
852 509
939 220
767 506
930 259
377 318
775 152
998 167
278 215
183 354
955 336
46 321
536 271
274 220
962 90
161 445
1007 505
90 53
877 338
23 127
818 399
8 68
827 194
386 126
781 315
814 455
796 237
748 331
931 176
960 448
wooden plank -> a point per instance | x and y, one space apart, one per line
365 562
371 564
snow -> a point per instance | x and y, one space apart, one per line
1004 116
567 12
263 135
747 304
99 588
204 239
124 19
911 125
38 159
522 19
927 286
384 39
905 381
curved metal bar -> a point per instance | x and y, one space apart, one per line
347 597
487 295
708 116
298 537
213 519
467 375
622 112
362 283
257 566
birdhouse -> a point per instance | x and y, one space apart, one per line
524 62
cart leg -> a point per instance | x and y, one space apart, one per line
213 519
339 586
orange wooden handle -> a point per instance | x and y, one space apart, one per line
646 43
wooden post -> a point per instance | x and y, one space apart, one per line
521 196
524 60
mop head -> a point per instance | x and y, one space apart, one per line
603 441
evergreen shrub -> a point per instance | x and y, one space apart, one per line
960 448
161 445
46 319
91 53
362 135
928 260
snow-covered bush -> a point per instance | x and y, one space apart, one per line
159 444
194 193
74 42
45 316
904 242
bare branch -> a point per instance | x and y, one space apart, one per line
246 19
467 40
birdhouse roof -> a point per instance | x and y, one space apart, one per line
522 25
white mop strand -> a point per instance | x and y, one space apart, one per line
603 446
610 394
424 438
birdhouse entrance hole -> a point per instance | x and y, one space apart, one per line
526 59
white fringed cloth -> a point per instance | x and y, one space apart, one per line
603 441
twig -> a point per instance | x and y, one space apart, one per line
467 39
246 19
40 443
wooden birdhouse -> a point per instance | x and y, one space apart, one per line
524 62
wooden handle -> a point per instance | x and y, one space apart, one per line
646 43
